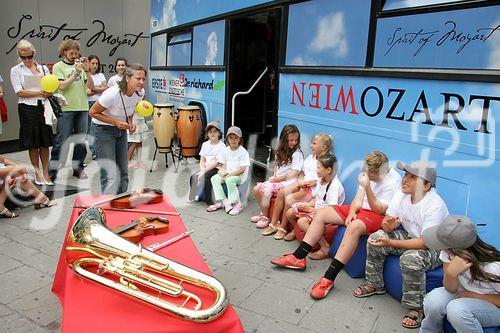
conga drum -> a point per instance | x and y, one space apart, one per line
188 129
164 126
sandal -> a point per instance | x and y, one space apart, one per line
213 208
5 213
290 236
280 234
256 218
415 315
318 255
271 229
366 293
263 222
47 203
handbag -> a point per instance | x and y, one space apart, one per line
3 109
56 107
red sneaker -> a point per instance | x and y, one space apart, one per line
321 288
290 261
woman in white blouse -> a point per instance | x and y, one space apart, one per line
112 117
34 134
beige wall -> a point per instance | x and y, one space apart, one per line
47 22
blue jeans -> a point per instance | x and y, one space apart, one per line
90 131
71 127
464 314
111 150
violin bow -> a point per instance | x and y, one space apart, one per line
131 210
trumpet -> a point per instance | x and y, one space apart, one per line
96 253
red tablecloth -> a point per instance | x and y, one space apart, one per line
91 307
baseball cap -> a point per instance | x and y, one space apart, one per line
454 232
422 169
234 130
213 124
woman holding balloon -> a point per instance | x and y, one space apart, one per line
34 134
112 117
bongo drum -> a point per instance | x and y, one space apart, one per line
188 129
164 126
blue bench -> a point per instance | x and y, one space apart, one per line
355 268
393 278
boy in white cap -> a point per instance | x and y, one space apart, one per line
416 207
470 298
234 162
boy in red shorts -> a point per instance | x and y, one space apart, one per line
377 185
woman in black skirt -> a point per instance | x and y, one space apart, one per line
34 134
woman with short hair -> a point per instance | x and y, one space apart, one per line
34 134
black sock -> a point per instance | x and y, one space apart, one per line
334 269
302 250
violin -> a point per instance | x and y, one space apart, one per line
144 226
138 197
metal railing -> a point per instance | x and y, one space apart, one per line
244 93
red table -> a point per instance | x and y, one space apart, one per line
90 307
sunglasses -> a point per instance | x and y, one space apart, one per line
26 57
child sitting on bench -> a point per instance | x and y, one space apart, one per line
470 298
210 149
302 190
288 164
377 184
234 162
416 207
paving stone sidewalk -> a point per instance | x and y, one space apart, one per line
267 299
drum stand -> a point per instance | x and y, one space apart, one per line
166 157
180 156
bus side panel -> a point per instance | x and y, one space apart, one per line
167 14
467 160
190 87
467 38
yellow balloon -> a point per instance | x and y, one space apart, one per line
144 108
49 83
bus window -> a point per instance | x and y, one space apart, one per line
158 50
404 4
327 33
208 44
179 49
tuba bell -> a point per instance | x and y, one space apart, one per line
94 252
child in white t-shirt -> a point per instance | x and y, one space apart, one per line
328 192
377 183
470 297
416 207
234 163
302 190
210 149
288 164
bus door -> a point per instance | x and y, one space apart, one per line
254 45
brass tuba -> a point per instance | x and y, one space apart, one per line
93 251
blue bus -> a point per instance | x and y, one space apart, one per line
416 79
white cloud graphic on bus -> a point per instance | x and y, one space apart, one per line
211 49
330 36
